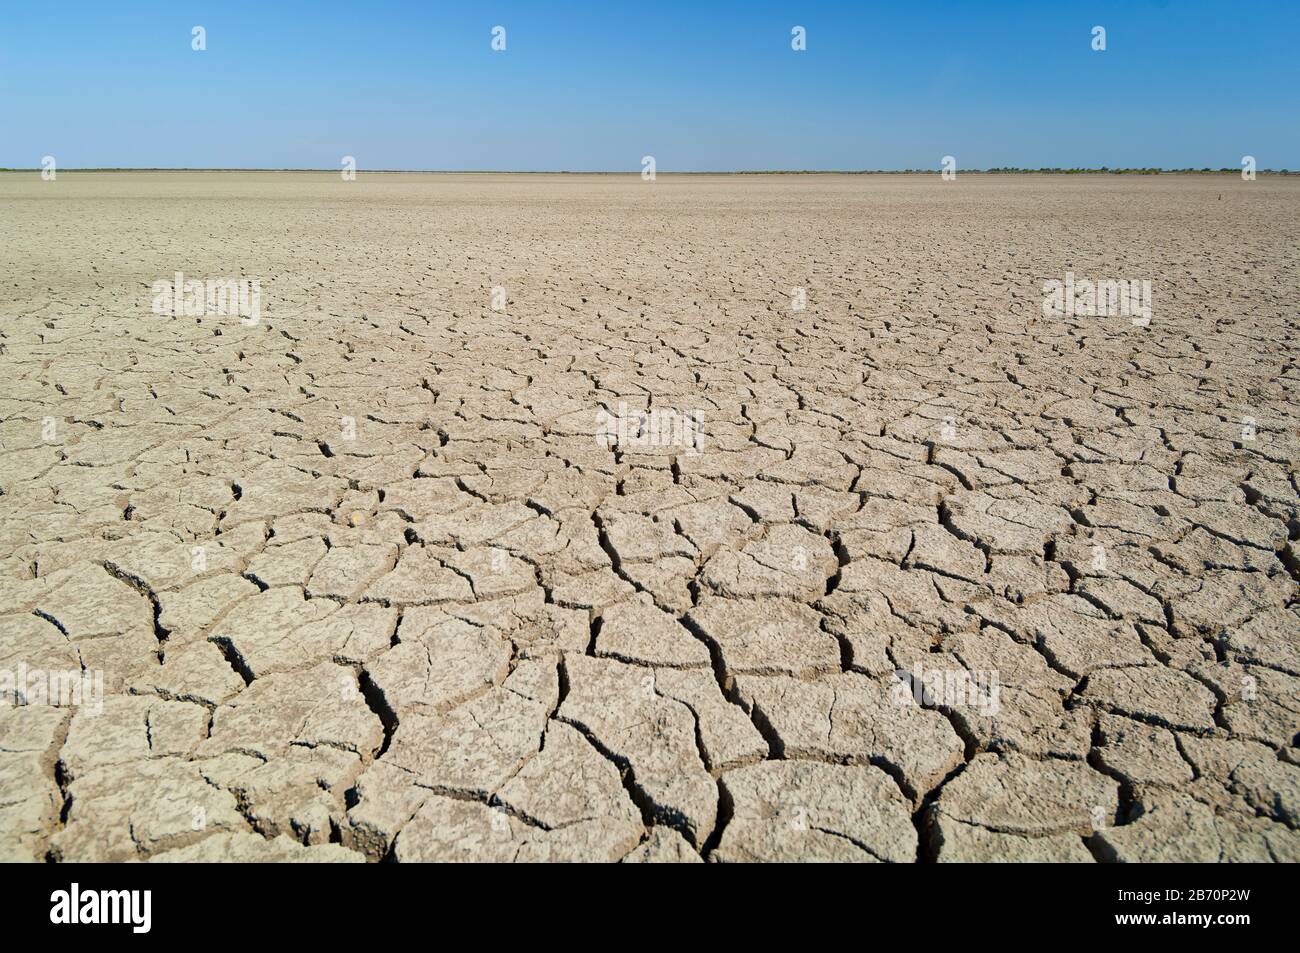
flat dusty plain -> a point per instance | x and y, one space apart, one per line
400 571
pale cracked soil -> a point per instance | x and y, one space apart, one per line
474 631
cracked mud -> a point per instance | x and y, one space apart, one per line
363 581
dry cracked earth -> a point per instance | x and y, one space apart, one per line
363 581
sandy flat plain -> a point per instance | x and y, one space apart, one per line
401 570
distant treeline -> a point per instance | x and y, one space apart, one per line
999 170
1151 171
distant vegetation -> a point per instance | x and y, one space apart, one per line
1000 170
1150 171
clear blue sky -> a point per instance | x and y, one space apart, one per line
597 85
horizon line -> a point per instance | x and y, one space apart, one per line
995 170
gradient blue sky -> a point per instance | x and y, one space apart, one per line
597 85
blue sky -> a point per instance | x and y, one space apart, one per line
701 86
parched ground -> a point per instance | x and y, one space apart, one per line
363 581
